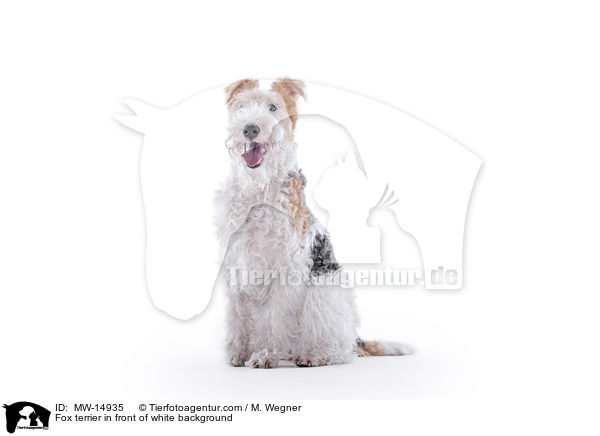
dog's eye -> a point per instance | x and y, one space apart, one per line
272 107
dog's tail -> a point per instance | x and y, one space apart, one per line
382 348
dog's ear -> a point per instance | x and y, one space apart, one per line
235 88
290 90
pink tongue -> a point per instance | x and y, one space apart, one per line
254 155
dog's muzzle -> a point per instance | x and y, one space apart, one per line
254 154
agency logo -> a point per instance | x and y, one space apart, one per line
26 415
392 191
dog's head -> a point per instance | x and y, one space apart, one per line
262 122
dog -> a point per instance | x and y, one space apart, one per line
270 233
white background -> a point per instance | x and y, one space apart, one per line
515 351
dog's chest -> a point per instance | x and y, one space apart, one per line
272 233
265 238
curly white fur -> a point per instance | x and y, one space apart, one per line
261 225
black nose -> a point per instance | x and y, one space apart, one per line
251 131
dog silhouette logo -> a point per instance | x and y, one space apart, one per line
26 415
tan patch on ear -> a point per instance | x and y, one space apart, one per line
235 88
296 207
290 90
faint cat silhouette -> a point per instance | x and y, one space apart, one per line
346 194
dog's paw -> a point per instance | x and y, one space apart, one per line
309 361
263 359
237 360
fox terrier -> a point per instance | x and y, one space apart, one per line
288 311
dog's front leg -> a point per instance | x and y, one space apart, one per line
274 324
238 332
267 342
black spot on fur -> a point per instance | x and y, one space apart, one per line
322 255
360 343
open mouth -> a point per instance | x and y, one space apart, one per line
254 154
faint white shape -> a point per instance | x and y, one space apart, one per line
184 160
365 230
322 143
433 174
399 250
346 193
